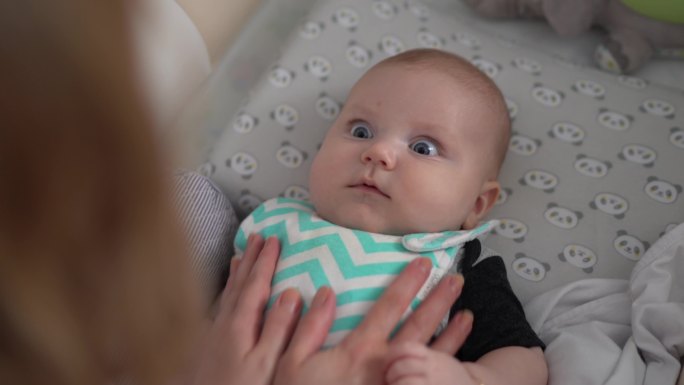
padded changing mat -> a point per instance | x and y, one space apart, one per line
594 170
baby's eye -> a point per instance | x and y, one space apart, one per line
424 147
361 130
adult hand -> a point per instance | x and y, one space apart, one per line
241 346
361 358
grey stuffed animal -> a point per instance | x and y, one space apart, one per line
632 37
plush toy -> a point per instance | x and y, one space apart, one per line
636 29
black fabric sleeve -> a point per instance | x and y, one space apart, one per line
499 319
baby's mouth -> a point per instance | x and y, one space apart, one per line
369 188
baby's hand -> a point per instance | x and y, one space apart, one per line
413 363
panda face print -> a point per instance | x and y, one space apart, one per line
428 40
589 88
638 154
659 108
244 123
540 180
242 163
469 41
512 108
391 45
358 56
419 10
281 77
591 167
286 116
528 65
384 10
327 108
529 268
290 156
296 192
634 82
504 193
489 68
567 132
629 246
319 67
247 202
311 30
511 229
677 137
523 145
614 120
562 217
662 191
346 18
206 169
547 96
579 256
611 204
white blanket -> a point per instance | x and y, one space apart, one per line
610 331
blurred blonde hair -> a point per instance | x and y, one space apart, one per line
95 286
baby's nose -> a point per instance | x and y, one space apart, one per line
380 153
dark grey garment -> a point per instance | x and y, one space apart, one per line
499 319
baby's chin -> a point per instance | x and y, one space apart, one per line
360 221
376 224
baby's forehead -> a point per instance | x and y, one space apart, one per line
459 69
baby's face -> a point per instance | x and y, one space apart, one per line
410 152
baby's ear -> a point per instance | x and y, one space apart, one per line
485 201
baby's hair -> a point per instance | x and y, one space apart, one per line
468 75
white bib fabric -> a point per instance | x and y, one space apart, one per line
357 265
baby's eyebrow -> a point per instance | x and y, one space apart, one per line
358 109
435 128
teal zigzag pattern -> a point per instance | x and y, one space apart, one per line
285 218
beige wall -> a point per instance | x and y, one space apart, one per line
219 21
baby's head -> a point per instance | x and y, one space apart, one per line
416 148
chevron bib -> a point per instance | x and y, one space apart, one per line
357 265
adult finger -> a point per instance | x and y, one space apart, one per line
232 272
255 243
422 323
455 334
280 322
257 286
387 311
312 328
248 311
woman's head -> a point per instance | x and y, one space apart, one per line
91 270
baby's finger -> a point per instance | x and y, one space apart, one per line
421 325
406 361
455 334
312 328
409 349
387 311
279 325
410 380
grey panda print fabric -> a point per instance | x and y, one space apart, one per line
593 175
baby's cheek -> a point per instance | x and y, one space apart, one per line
439 212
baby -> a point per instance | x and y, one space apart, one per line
409 169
